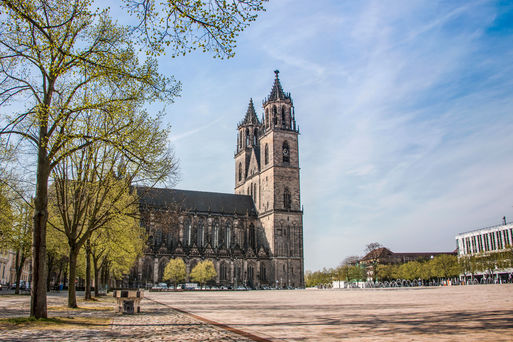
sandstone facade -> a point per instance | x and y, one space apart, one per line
255 236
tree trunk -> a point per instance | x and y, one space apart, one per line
72 294
38 307
18 273
96 278
58 278
88 271
50 263
65 280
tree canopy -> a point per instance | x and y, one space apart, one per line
175 271
203 272
63 63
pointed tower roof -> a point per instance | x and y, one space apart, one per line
251 117
277 92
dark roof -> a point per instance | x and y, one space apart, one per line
423 254
377 254
384 252
277 92
197 201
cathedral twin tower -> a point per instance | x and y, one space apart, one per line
267 169
255 236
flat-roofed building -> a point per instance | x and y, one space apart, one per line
489 252
485 240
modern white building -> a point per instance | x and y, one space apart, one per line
484 240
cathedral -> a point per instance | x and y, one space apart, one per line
255 236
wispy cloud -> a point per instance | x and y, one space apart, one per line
405 111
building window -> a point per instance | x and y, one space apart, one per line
228 234
240 172
263 275
222 271
283 121
275 119
221 235
266 154
286 199
215 233
187 232
286 152
267 118
201 230
252 240
255 136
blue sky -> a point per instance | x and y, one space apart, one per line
405 110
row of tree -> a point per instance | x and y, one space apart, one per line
440 267
176 272
344 272
72 94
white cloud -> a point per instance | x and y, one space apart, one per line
405 116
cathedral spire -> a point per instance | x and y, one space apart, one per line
277 92
251 117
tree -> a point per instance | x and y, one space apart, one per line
410 270
203 272
426 270
57 257
351 260
59 61
6 213
90 197
210 25
387 272
67 65
372 246
445 266
372 258
175 271
15 228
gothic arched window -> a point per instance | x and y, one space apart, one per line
266 154
275 119
228 238
263 275
286 152
215 233
247 137
222 271
255 136
283 116
286 199
267 118
240 139
252 240
200 232
221 235
187 232
240 172
193 239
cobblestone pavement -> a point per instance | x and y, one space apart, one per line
157 322
449 313
468 313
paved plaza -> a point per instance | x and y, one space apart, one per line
470 313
